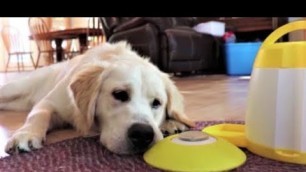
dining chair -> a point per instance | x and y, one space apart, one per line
94 38
38 26
14 46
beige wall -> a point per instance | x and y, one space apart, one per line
79 22
68 22
299 35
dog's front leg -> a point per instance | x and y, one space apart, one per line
171 126
33 132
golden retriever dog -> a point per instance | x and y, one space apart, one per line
128 97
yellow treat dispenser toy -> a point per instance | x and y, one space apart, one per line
275 125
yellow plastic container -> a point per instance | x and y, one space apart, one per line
276 110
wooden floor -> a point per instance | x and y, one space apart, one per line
213 97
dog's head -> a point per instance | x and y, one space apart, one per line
129 97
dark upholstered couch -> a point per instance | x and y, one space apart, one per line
169 42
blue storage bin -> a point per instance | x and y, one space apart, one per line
240 57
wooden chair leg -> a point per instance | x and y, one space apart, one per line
22 63
8 62
53 59
32 60
49 58
37 60
18 63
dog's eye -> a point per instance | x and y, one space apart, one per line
121 95
155 104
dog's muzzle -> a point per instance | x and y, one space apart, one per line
141 136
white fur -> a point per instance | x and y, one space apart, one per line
78 90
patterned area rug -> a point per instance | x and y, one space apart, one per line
87 155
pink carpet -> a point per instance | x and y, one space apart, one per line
88 155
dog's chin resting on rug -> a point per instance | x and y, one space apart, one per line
131 99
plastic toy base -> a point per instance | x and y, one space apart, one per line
278 154
212 154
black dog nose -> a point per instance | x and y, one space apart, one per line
141 135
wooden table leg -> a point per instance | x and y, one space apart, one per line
59 50
83 42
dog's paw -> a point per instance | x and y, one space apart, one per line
172 127
23 141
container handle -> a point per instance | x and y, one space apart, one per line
281 31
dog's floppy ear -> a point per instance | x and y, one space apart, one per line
84 89
175 104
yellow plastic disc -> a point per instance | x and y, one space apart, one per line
209 154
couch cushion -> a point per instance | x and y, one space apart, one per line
184 44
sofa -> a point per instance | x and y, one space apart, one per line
170 42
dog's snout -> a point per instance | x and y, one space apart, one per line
141 135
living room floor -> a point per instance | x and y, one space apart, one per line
207 97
